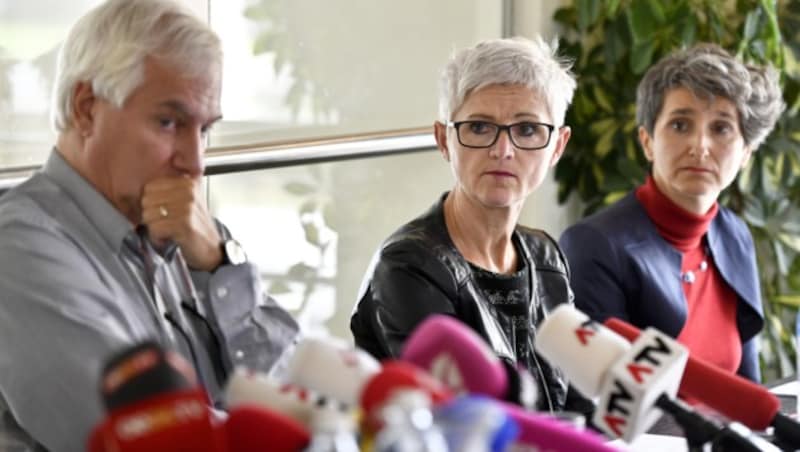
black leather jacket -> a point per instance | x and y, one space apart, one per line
418 271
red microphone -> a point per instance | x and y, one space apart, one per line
253 428
729 394
394 376
154 403
179 421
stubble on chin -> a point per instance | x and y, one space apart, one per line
131 208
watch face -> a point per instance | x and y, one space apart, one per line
235 252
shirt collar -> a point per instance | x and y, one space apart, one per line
110 223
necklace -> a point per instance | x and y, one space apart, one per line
689 277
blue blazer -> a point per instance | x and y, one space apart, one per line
621 267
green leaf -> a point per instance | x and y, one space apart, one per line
644 17
771 170
615 46
611 7
279 287
601 126
613 197
605 142
565 15
788 300
262 43
745 179
642 56
312 234
307 207
598 174
790 64
657 11
780 257
602 98
329 215
301 271
751 24
631 170
299 188
585 11
584 107
258 12
790 240
754 212
688 31
631 151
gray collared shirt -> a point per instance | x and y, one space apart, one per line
75 289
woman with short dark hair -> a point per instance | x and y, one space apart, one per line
668 255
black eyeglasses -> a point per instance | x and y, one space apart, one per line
524 135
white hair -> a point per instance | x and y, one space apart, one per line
108 48
511 61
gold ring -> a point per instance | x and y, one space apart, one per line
163 211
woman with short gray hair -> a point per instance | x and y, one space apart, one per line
501 128
668 255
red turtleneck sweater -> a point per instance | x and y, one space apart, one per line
710 330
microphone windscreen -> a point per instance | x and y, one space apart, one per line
142 371
547 433
729 394
457 356
332 368
400 375
582 348
251 428
251 388
177 421
95 441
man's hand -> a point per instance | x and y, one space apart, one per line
173 208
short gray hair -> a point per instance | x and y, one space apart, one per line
708 71
108 47
511 61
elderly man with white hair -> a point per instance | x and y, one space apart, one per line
111 242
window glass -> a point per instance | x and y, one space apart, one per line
294 69
30 35
312 229
312 68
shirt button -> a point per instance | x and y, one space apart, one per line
222 292
239 354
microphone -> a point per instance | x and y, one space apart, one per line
548 433
154 403
645 375
332 368
461 359
729 394
252 428
395 376
143 370
476 423
246 387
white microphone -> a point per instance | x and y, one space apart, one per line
626 378
332 367
633 383
246 387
